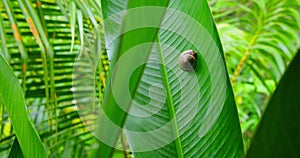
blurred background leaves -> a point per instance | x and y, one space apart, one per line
278 132
260 38
40 39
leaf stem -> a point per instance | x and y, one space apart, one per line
245 57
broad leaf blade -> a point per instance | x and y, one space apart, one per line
120 40
12 98
198 106
174 113
278 132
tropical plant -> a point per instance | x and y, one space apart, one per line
60 50
260 38
40 41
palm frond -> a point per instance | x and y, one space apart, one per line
260 38
41 40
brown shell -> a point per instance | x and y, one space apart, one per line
188 60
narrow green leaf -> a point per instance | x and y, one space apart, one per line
72 22
12 97
43 51
62 8
278 132
18 38
81 30
3 39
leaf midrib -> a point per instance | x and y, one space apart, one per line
169 99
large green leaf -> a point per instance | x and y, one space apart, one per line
173 113
278 131
125 40
12 98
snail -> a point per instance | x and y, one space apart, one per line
188 60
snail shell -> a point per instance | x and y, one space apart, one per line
188 60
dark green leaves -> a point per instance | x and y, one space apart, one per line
278 131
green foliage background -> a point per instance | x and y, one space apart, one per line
259 37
